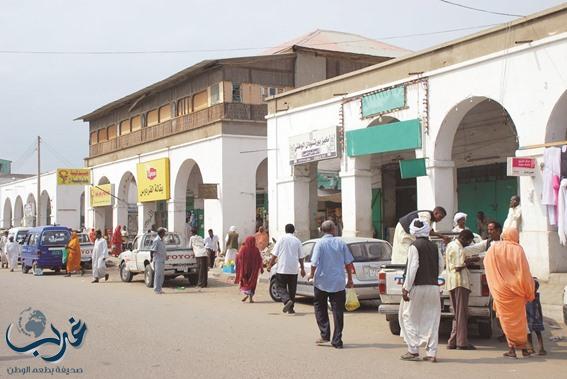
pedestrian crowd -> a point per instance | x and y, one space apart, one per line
512 287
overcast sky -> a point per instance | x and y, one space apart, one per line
41 94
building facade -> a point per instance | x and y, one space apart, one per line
195 143
459 110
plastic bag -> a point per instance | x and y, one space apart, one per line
352 303
65 255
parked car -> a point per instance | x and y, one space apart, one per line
43 248
179 260
369 255
19 234
86 250
391 279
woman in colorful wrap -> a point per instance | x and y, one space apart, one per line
248 265
74 255
117 241
512 287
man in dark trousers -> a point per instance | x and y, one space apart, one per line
289 254
330 256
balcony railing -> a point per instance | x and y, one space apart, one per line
218 112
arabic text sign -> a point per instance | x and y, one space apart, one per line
101 195
153 180
314 146
49 345
73 176
208 191
520 166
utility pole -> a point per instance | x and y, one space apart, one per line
38 207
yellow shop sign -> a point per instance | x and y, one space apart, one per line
101 195
153 180
73 176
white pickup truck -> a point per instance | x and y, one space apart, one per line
179 259
390 281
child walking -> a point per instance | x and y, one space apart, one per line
535 322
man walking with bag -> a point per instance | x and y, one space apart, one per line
289 254
331 257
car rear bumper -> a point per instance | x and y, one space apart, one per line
367 291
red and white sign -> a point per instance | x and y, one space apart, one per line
151 173
520 166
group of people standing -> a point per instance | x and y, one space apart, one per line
512 287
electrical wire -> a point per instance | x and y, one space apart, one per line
26 155
54 152
481 10
148 52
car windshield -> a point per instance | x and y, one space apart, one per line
21 236
370 251
172 241
55 237
84 238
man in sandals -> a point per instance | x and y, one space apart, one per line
420 309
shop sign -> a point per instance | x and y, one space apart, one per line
153 180
101 195
412 168
521 166
73 176
313 146
383 101
208 191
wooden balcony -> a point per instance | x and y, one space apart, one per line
218 112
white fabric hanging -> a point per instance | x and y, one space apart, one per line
551 168
562 213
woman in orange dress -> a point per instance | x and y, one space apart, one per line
74 255
512 287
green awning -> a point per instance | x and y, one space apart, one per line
383 101
412 168
396 136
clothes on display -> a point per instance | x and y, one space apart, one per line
551 179
562 213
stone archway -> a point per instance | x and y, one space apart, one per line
472 145
18 212
189 208
556 129
126 203
45 207
7 214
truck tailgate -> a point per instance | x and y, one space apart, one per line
180 257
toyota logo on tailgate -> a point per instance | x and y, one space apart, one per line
151 173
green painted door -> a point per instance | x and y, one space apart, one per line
377 212
491 197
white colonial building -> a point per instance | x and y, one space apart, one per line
452 114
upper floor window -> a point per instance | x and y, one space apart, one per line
165 113
184 106
102 135
200 101
236 97
111 132
152 118
93 138
136 123
124 127
215 94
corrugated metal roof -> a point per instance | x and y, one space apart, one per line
331 40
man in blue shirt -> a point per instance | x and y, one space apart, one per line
331 257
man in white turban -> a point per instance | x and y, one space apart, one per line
459 221
420 309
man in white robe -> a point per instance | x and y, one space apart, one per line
420 309
12 252
403 238
100 253
514 219
3 242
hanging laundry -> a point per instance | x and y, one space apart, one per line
564 162
562 213
551 174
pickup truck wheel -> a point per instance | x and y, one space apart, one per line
25 269
484 330
125 275
394 326
274 290
149 276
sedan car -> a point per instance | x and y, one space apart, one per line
369 254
